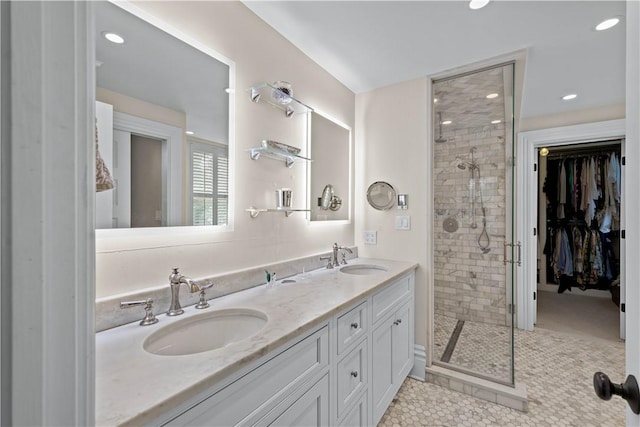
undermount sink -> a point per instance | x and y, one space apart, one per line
205 332
363 269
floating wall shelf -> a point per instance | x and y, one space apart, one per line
254 212
288 104
288 158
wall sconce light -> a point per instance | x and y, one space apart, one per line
403 201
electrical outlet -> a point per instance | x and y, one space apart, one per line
403 222
370 237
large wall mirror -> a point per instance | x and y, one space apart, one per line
329 176
162 118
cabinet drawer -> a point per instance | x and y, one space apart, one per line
356 416
384 300
351 326
351 377
309 410
252 396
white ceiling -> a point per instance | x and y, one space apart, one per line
371 44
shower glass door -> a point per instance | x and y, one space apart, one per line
474 223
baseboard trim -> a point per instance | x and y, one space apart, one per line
418 371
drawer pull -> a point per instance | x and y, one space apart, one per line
355 325
354 374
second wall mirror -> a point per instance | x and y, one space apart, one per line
330 171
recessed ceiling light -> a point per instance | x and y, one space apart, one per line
113 37
492 95
495 122
478 4
544 151
606 24
435 100
189 132
447 122
570 97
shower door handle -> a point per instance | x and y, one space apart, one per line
504 255
510 261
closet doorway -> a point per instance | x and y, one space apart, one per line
533 269
578 245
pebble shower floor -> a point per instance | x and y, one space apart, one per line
557 369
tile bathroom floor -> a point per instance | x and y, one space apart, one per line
557 369
477 347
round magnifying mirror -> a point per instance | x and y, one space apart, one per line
381 195
327 196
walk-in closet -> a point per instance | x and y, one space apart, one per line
579 253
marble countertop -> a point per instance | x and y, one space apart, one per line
134 387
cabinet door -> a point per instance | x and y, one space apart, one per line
356 416
402 343
311 409
382 386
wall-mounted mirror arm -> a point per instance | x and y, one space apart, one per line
329 200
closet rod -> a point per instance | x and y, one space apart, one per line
580 152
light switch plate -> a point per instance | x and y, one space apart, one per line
370 237
403 222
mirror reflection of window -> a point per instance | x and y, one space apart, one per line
209 184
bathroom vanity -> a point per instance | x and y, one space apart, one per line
333 349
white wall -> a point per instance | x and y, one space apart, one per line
48 245
391 145
580 117
260 55
632 199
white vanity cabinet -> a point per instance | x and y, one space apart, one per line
392 343
276 385
344 372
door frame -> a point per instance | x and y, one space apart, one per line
172 160
527 200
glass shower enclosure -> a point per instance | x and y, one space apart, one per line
473 149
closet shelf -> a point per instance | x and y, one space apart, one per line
265 92
254 212
273 153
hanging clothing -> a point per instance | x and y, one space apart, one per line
562 190
578 259
103 176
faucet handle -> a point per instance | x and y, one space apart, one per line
343 261
328 257
203 302
149 318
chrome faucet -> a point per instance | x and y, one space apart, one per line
337 248
333 259
175 280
